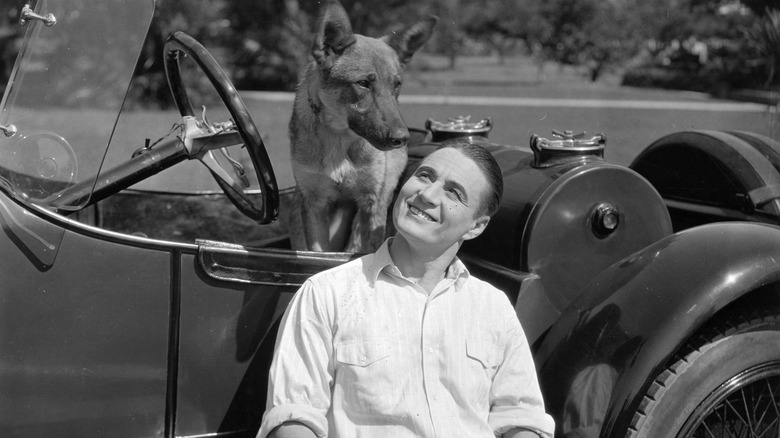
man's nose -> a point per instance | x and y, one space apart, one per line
430 193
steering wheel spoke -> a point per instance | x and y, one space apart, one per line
210 161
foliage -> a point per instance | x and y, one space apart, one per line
593 33
610 38
269 43
10 36
265 44
502 24
764 39
762 7
713 48
199 18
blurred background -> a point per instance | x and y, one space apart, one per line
727 48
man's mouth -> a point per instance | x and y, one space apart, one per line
419 213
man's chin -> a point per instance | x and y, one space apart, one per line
414 231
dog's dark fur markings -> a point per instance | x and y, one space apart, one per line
347 136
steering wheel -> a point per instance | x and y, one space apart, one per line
178 44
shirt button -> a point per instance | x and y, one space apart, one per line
436 397
430 350
363 358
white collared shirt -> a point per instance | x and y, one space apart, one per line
364 352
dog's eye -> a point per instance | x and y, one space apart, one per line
365 83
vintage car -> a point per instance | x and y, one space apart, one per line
650 293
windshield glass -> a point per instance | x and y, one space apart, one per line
65 93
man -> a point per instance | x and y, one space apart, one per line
404 342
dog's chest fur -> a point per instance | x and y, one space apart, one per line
346 172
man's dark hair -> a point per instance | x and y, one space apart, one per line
489 167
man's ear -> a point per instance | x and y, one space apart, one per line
406 42
334 34
479 226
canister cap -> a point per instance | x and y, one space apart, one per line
460 126
565 147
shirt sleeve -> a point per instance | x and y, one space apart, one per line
515 396
301 372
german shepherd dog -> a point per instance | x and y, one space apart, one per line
347 136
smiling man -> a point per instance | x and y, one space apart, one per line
405 342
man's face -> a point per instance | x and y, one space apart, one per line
440 203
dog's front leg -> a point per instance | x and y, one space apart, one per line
368 227
316 230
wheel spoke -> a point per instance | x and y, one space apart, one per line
750 409
759 399
769 428
769 404
708 430
736 412
748 419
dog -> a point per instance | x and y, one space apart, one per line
347 136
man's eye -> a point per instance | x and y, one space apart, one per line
423 175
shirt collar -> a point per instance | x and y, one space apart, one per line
382 260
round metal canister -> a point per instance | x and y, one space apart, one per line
567 221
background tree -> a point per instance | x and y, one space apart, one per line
268 44
265 44
610 38
567 21
203 19
271 40
501 24
761 7
450 35
764 39
596 34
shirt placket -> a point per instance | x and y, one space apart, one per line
431 363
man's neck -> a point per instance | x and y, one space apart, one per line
420 263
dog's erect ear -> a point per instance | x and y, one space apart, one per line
334 34
409 40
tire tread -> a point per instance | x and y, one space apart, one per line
722 327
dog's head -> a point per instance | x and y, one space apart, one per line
360 76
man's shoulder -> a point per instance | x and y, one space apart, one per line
484 288
349 269
490 296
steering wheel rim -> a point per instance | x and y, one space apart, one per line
180 42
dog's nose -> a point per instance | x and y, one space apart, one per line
399 137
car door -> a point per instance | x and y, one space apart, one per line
232 299
85 328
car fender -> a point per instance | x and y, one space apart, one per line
602 354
